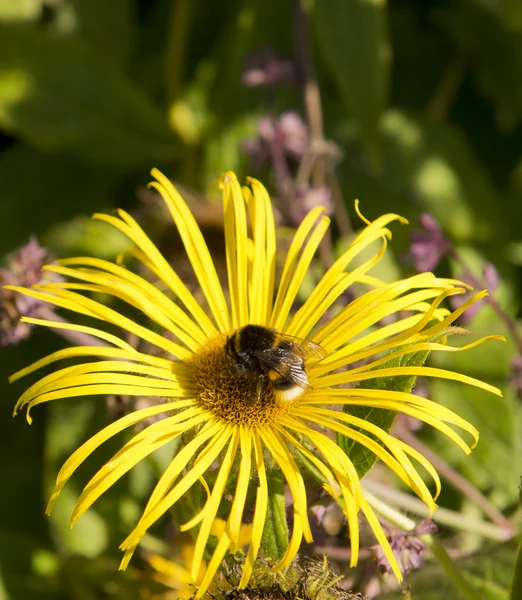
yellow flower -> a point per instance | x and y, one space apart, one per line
209 401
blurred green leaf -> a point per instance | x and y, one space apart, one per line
493 51
60 95
495 464
426 167
39 189
353 37
105 26
20 10
489 571
82 236
362 457
510 11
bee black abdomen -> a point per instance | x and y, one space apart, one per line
280 384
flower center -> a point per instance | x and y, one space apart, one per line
236 394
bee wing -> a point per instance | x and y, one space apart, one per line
286 365
306 349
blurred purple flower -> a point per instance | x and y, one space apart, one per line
428 244
268 68
491 280
289 132
307 198
23 268
406 546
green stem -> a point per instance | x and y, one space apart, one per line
401 521
516 587
179 29
275 534
443 516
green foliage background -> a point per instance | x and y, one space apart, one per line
423 98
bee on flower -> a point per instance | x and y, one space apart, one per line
247 381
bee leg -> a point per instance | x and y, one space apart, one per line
255 398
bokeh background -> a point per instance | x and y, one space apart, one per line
421 112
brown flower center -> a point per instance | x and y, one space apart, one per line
240 397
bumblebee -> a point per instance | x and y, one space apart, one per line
276 358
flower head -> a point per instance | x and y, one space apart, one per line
238 427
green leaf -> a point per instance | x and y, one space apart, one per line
486 41
82 19
495 464
59 94
363 459
39 189
509 11
489 571
275 534
425 166
353 37
20 10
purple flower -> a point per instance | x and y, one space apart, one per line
406 546
23 268
428 244
268 68
288 134
491 280
308 198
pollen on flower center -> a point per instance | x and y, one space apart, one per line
241 398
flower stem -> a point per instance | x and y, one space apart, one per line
443 516
275 534
516 587
459 482
403 522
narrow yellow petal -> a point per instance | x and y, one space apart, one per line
172 309
395 458
302 249
196 248
155 509
321 298
127 355
213 504
292 474
214 564
133 231
132 293
258 522
382 539
346 377
263 208
81 304
139 447
236 248
87 448
233 528
99 390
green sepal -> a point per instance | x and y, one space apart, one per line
363 458
274 541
